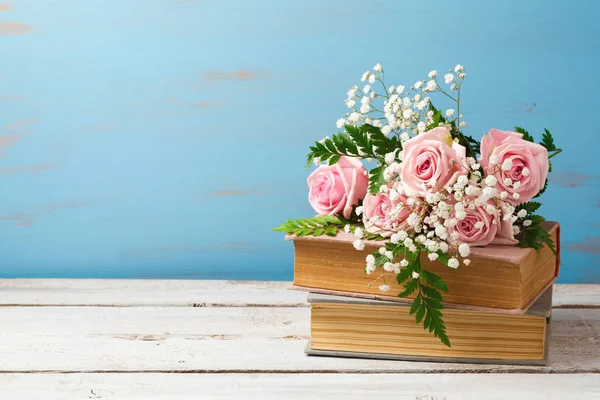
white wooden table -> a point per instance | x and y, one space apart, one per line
123 339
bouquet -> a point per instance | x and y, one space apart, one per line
430 187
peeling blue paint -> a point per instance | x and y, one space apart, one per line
145 110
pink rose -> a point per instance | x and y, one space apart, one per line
432 159
383 216
479 228
335 189
529 164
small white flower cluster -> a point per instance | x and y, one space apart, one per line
402 111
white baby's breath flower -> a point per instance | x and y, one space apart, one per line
350 103
463 180
516 230
458 68
463 124
365 76
391 89
353 118
347 228
508 182
359 245
388 266
415 275
494 160
466 261
378 68
407 113
384 288
431 86
433 256
370 259
441 232
462 75
386 129
389 255
453 87
432 74
404 263
491 180
516 196
527 222
365 108
503 195
453 263
382 250
443 246
522 213
421 126
359 233
370 269
418 84
390 157
395 239
464 250
516 185
340 123
372 79
479 225
359 210
448 78
449 112
400 89
507 164
525 171
366 89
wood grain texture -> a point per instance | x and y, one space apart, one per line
223 339
352 386
188 293
369 328
133 293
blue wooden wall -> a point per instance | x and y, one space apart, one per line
164 138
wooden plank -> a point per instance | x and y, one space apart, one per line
238 339
277 386
188 293
164 293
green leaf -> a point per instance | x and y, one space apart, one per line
376 179
409 288
530 207
331 231
526 135
415 305
434 280
431 293
334 159
420 314
548 141
534 236
315 226
404 274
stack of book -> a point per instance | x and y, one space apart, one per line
497 309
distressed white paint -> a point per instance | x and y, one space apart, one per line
225 339
63 339
121 292
299 386
186 293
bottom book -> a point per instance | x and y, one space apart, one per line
352 327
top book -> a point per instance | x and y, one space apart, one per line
502 279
